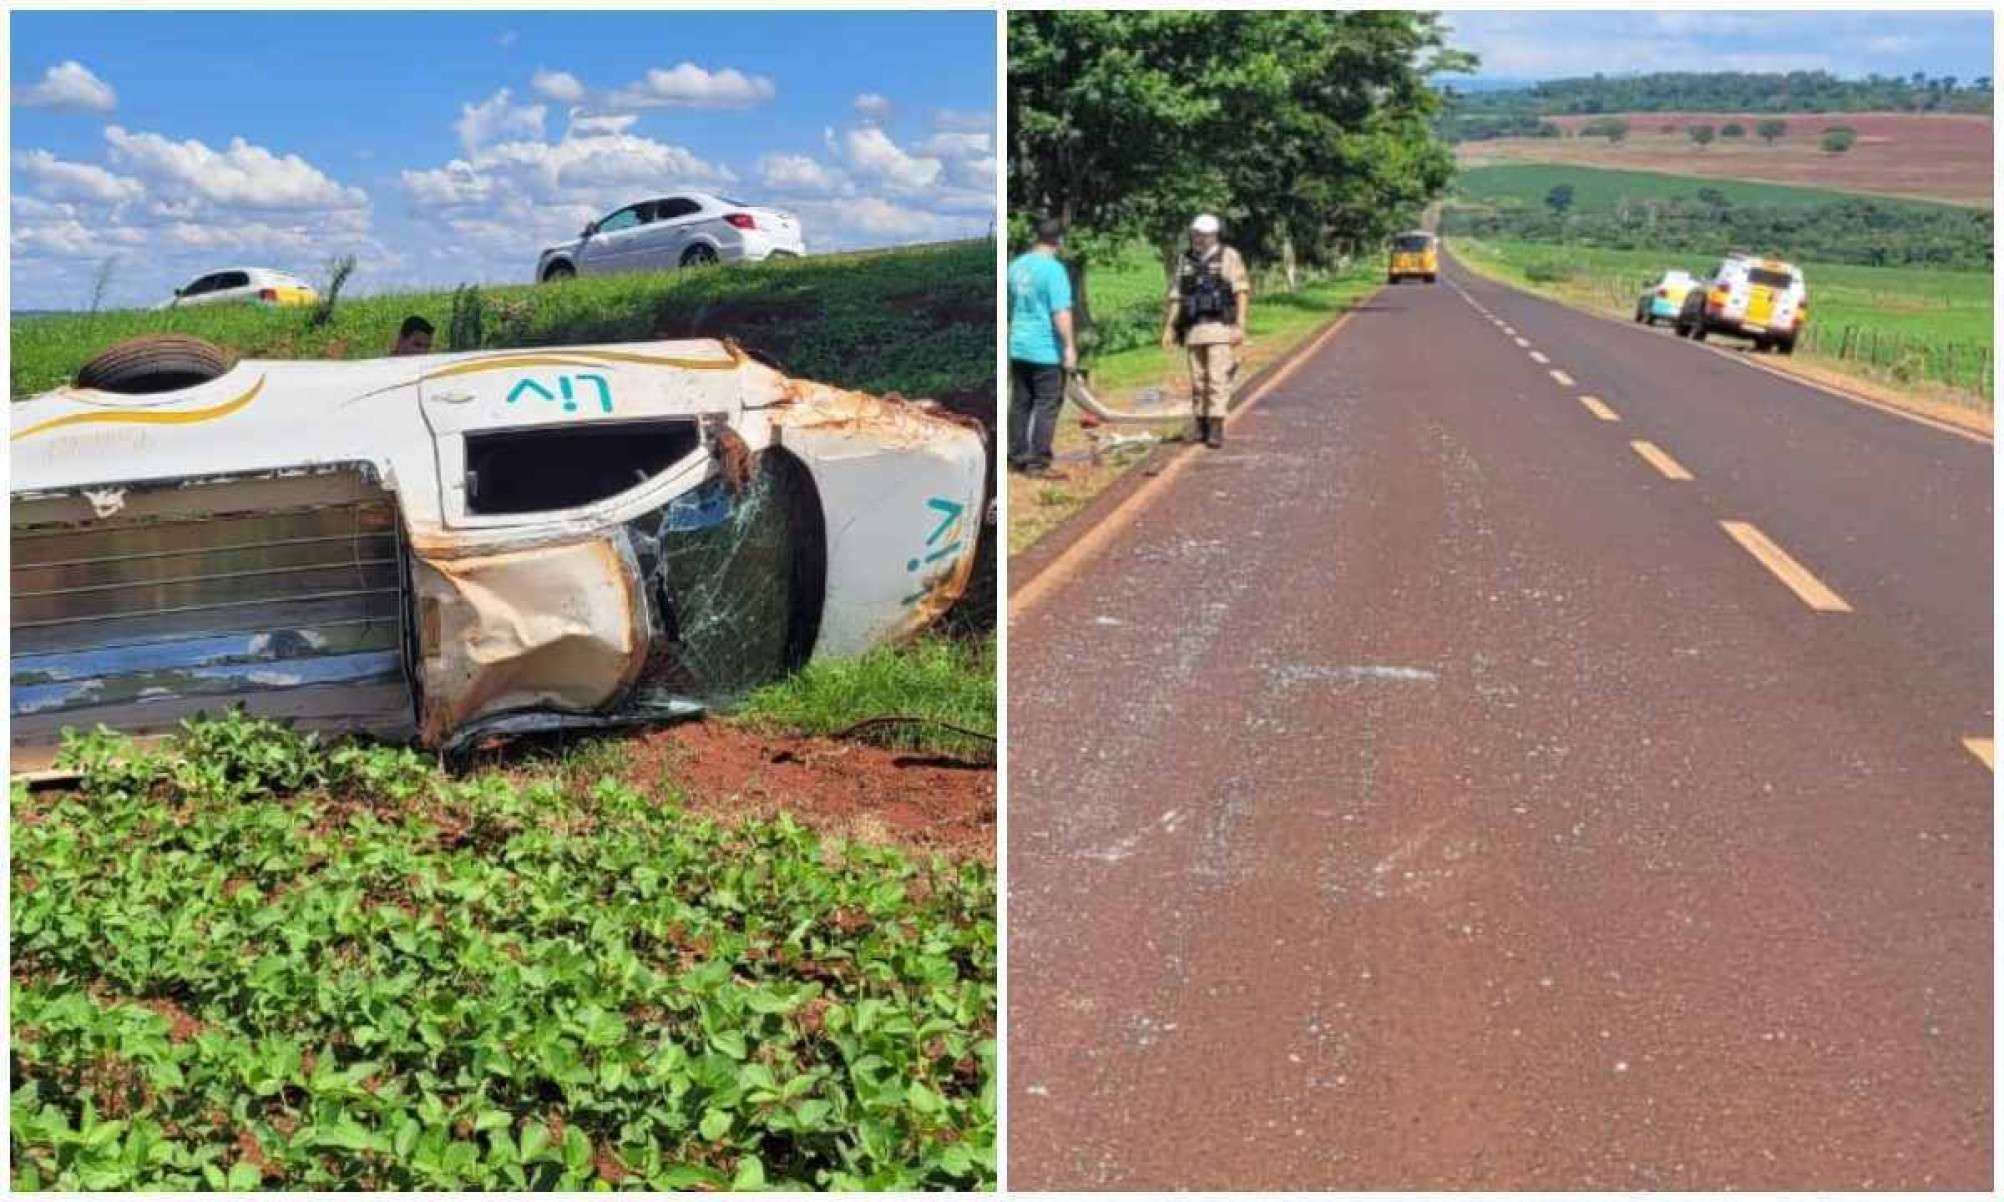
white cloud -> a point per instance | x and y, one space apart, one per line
496 118
968 120
68 87
243 176
59 179
872 154
951 144
978 173
873 105
560 86
799 173
585 124
686 85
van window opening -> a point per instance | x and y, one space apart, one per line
532 471
1770 279
1413 242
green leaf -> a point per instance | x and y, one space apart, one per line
714 1125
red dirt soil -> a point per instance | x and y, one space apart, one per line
849 790
1924 156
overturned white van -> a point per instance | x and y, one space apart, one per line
454 546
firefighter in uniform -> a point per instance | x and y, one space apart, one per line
1208 301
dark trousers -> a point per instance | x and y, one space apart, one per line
1036 393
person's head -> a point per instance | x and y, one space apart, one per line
414 338
1204 232
1050 234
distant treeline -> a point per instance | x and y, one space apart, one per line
1472 116
1857 230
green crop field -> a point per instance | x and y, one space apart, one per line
1892 310
252 961
1604 189
919 321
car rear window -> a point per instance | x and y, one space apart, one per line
1413 243
1770 279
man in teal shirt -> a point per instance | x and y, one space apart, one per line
1041 349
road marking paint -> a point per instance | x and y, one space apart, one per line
1814 593
1539 357
1523 342
1983 749
1509 331
1565 381
1599 409
1660 460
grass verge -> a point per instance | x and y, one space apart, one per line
1280 322
1917 307
950 682
918 321
249 960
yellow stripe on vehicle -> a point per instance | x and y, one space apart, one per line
147 417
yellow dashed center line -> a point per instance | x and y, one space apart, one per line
1814 593
1983 749
1509 331
1565 381
1599 409
1523 342
1539 357
1657 458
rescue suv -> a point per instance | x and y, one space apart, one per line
1753 297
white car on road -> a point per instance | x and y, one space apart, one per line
257 285
687 229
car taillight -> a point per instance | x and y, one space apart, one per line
743 221
1664 293
268 295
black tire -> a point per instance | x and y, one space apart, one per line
1786 346
1391 279
154 363
700 255
558 272
1698 331
1432 279
1762 344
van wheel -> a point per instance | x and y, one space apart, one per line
1698 331
154 363
1786 346
1431 278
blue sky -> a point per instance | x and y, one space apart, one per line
1550 45
441 147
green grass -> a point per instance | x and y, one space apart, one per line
919 321
251 961
1604 189
1916 307
948 680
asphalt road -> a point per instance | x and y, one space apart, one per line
1430 791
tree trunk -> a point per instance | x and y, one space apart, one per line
1287 263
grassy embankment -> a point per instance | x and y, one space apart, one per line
1125 359
1917 332
247 960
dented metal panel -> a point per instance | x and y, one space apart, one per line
385 545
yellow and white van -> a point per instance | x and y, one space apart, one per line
1757 298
